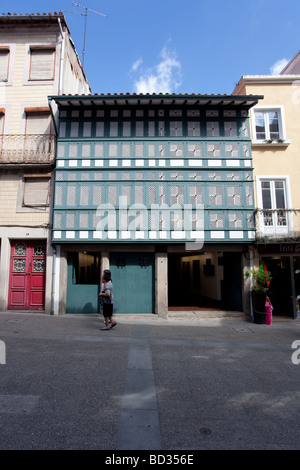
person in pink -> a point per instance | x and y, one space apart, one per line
268 311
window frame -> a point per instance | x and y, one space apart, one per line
4 49
28 63
31 111
34 49
281 124
10 65
274 229
21 207
35 177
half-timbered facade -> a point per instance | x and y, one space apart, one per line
159 188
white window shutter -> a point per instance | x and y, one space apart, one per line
38 123
42 64
36 192
4 60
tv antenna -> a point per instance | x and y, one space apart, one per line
85 21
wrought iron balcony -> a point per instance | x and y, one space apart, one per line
277 223
31 148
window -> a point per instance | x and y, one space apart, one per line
4 63
86 268
42 62
268 125
273 194
38 142
212 129
273 202
38 121
274 198
36 191
175 129
193 128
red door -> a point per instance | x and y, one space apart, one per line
27 275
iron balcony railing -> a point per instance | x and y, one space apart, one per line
30 148
277 223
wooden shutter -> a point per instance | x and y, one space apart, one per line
42 63
4 61
36 191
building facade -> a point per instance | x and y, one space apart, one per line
275 152
37 58
159 189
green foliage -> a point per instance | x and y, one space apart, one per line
261 279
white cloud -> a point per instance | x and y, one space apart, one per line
136 65
164 77
278 66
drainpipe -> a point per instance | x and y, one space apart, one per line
56 248
55 280
62 52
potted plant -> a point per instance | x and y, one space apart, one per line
259 291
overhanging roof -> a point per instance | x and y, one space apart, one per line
160 99
32 19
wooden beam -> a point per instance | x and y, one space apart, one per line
37 110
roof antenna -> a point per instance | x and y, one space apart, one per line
85 20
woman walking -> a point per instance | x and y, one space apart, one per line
107 300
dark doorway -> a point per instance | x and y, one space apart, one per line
280 288
232 282
192 282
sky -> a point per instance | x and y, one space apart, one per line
176 46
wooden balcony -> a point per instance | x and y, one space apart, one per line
33 149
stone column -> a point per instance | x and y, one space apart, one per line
4 272
63 276
161 284
104 264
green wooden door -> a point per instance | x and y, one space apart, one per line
133 279
83 283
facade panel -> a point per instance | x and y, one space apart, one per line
128 173
149 182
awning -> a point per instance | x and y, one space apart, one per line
160 99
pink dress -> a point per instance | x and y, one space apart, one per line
268 311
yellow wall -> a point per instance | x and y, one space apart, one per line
275 159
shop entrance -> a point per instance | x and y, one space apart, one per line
296 267
280 288
205 281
